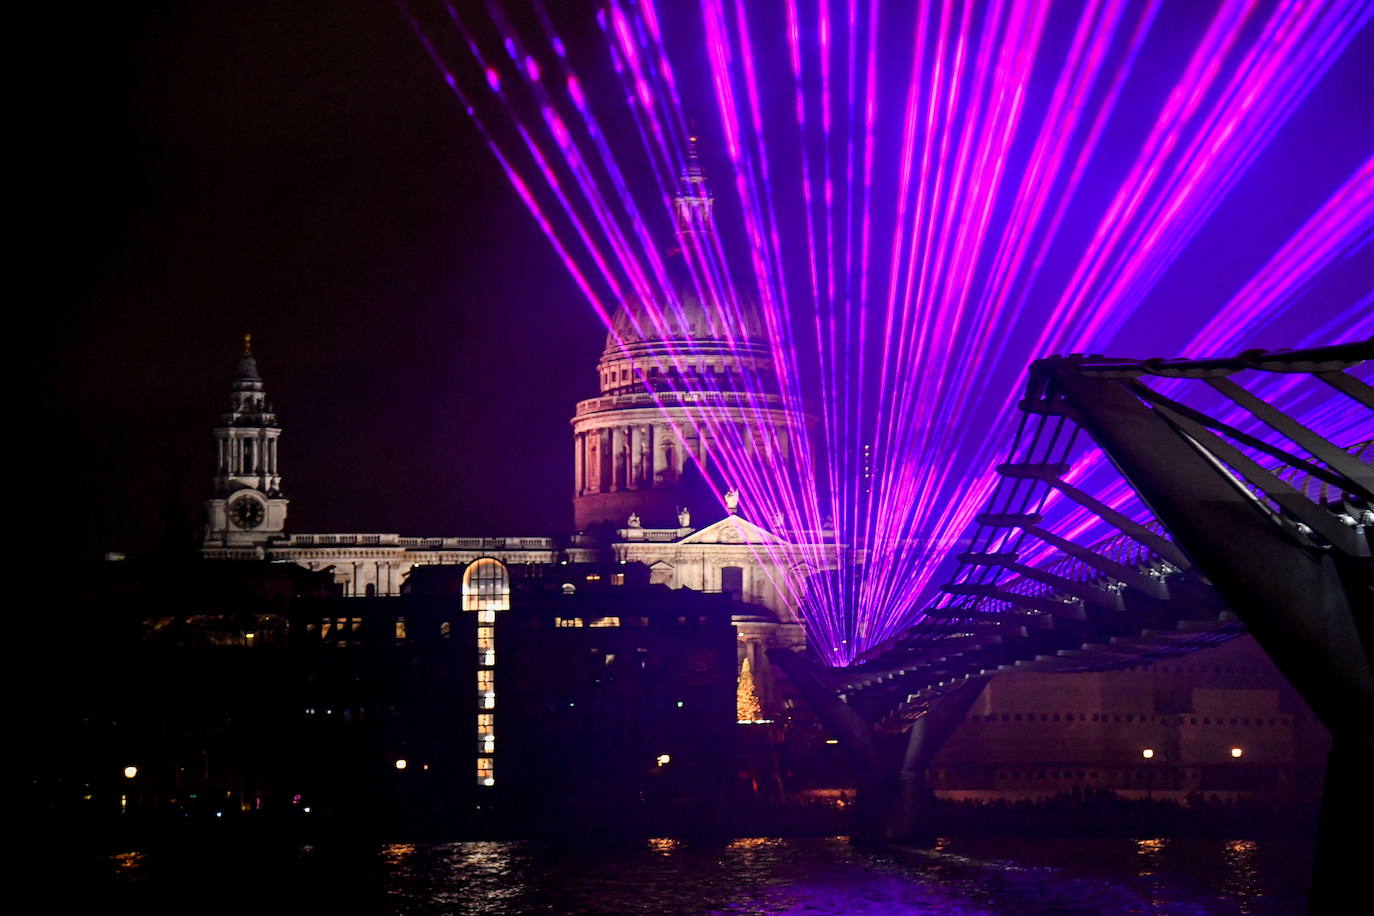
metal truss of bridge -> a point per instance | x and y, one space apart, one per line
1146 509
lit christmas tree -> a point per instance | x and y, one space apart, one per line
747 707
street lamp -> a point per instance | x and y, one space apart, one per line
401 764
130 771
1237 752
1149 754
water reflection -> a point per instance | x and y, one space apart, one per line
1151 854
749 876
1149 863
744 877
396 854
1242 874
664 845
130 863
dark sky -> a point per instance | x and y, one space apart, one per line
298 170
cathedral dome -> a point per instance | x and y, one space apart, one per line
678 378
690 347
693 323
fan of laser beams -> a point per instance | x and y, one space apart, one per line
927 196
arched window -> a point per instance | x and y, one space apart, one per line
486 586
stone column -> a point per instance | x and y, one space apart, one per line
591 452
659 460
617 457
604 458
646 458
579 465
591 457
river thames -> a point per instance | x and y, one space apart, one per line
958 877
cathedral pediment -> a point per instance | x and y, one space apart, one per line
732 530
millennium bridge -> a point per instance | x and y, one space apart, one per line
1190 509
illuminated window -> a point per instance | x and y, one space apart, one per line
325 626
567 621
486 657
445 629
486 772
486 587
618 579
400 628
357 624
569 588
605 622
593 577
487 700
486 679
486 637
486 724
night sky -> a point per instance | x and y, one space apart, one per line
299 171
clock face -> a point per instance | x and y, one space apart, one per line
246 512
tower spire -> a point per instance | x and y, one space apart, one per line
693 201
247 506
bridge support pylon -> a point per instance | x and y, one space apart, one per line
915 822
893 799
1299 602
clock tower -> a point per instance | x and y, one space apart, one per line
247 508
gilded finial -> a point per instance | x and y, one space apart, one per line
247 344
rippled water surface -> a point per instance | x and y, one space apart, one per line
1076 877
